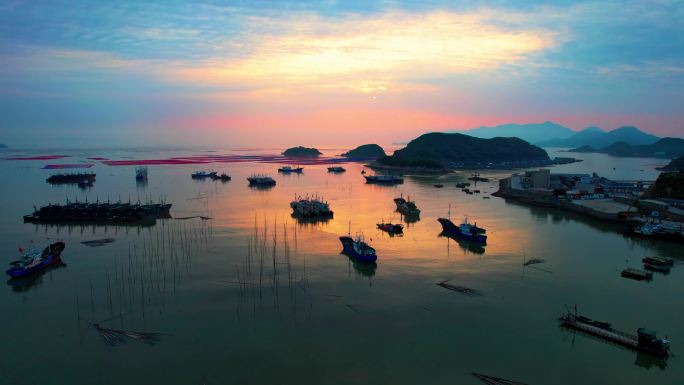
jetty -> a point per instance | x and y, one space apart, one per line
99 213
645 340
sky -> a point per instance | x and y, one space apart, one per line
332 72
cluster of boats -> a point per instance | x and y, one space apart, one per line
213 175
651 264
100 212
658 230
310 208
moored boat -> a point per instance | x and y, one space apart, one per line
406 206
261 180
223 177
392 228
383 179
290 169
310 207
660 261
358 248
336 169
203 174
465 230
637 274
659 268
33 262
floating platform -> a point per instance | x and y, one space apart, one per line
100 213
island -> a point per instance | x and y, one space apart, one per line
366 151
302 151
663 148
675 165
439 152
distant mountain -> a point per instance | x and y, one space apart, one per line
301 151
664 148
675 165
533 133
439 149
366 151
598 138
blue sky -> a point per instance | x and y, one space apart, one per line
93 72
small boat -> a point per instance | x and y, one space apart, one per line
203 174
465 230
363 171
438 185
336 169
406 207
33 262
637 274
290 169
358 248
141 174
486 198
660 261
533 261
261 180
391 228
223 177
476 191
659 268
383 179
463 184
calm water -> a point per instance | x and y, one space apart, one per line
254 297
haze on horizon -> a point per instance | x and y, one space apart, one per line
333 72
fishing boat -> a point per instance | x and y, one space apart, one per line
310 207
336 169
659 261
33 262
223 177
261 180
141 174
645 340
290 169
463 184
658 268
358 248
383 179
392 228
203 174
465 230
71 178
406 206
439 185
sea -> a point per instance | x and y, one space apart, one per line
233 290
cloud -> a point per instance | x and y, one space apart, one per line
371 54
